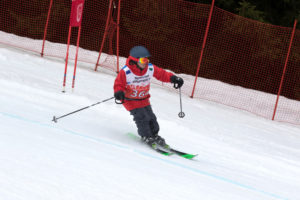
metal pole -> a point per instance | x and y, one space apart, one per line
203 45
67 57
284 69
181 114
76 57
46 27
118 35
105 33
56 118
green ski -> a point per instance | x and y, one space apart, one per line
167 150
155 148
183 154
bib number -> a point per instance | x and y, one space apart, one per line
139 94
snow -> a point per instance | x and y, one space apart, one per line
89 155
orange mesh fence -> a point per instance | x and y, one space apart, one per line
171 30
93 27
245 53
288 106
239 53
28 18
23 18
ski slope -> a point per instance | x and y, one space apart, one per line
89 156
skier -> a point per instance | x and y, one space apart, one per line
132 87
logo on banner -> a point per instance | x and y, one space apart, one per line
79 12
76 12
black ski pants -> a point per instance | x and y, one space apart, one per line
145 121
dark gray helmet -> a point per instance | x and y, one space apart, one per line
139 52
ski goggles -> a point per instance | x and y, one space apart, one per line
143 60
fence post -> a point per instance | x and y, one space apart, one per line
67 58
105 33
203 45
46 27
284 69
118 35
76 57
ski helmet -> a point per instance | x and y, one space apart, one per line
139 52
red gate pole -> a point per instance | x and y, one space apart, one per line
105 33
46 27
284 69
118 36
203 45
67 57
75 21
76 57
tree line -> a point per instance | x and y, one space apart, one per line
276 12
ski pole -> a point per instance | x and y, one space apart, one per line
181 114
56 118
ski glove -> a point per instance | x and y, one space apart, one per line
119 95
178 82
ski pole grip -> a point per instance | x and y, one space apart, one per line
176 85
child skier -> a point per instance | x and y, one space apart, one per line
132 87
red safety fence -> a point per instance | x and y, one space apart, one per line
240 62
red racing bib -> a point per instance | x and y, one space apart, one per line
138 86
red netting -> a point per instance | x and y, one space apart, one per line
239 53
23 18
289 110
244 53
28 18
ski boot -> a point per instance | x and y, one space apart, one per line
150 141
161 142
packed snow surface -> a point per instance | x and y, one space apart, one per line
88 155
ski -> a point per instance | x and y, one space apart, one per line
162 151
183 154
168 151
158 149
